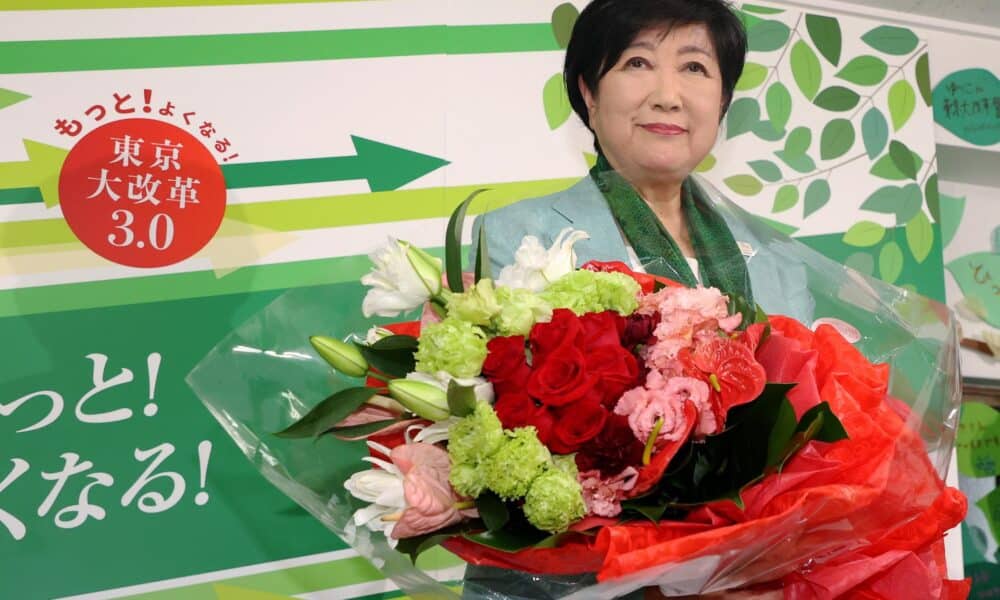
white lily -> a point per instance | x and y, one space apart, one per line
535 267
403 279
375 334
383 488
483 389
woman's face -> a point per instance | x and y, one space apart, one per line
656 112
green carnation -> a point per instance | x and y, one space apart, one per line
554 501
455 346
477 305
467 480
589 291
566 463
474 438
520 309
512 468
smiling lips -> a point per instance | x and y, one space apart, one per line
664 128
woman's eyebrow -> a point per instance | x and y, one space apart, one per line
693 49
643 44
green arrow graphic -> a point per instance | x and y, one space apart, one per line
10 97
385 167
40 171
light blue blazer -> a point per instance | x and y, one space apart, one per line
779 285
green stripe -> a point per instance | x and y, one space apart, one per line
325 211
90 4
44 56
20 195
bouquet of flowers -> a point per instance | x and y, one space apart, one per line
600 420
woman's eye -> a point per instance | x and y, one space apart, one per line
636 62
697 68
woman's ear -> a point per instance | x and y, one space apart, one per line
588 98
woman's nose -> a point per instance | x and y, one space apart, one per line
666 95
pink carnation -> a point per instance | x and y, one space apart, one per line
661 398
603 496
687 316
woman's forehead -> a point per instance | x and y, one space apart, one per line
687 37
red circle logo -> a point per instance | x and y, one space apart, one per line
142 193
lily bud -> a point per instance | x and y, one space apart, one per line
344 357
425 400
427 267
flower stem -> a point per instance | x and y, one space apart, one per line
465 504
647 454
376 375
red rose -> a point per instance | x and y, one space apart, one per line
562 379
611 450
616 369
506 364
601 329
639 328
576 425
517 409
562 330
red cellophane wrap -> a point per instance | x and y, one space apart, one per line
862 518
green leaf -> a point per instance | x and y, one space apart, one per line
802 163
744 185
904 202
781 434
886 168
896 41
817 196
743 116
325 415
806 70
483 270
864 234
563 19
920 236
653 512
391 355
875 131
362 430
832 430
556 102
706 165
933 198
837 138
862 262
415 546
507 540
767 36
492 510
952 209
461 399
890 262
453 244
786 198
762 10
902 157
923 73
902 101
753 75
766 170
825 33
765 130
837 98
864 70
798 141
779 105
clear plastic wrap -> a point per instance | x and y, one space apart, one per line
265 375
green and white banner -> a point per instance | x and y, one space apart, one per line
169 167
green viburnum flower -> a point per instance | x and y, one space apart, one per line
476 437
467 480
520 309
554 501
566 463
512 468
589 291
477 305
455 346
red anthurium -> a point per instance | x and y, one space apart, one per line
731 370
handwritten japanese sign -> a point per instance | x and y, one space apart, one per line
967 103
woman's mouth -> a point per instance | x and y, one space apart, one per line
664 128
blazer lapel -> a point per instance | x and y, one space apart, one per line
583 206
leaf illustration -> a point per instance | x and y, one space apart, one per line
825 33
767 36
762 10
932 198
786 198
891 40
748 19
837 98
875 131
743 116
923 73
817 196
798 141
903 202
864 70
806 70
971 271
862 262
864 234
765 130
557 107
886 168
952 209
563 18
890 262
837 139
779 105
766 170
753 75
802 163
902 157
706 165
902 101
744 185
920 236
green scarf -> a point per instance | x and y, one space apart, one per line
720 260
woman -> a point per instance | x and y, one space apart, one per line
652 79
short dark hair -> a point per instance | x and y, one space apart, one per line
605 29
